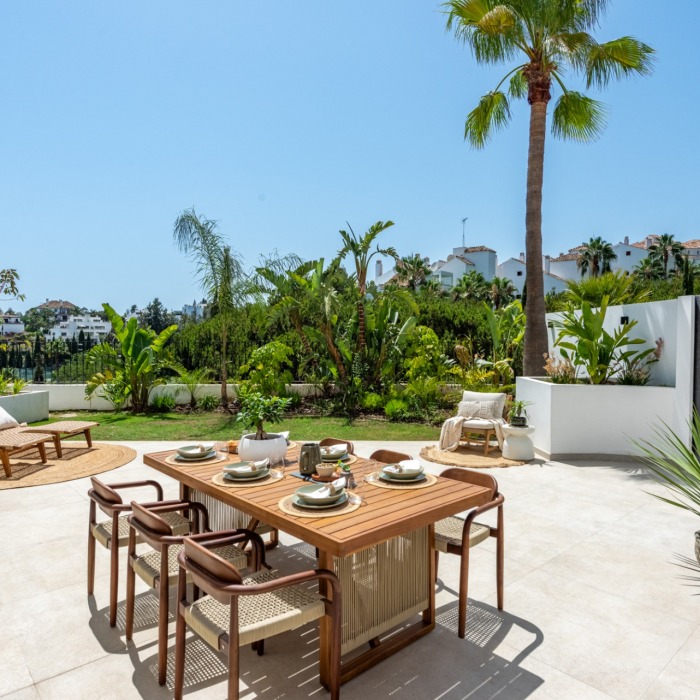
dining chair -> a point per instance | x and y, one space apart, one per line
388 456
336 441
158 568
107 498
454 535
239 610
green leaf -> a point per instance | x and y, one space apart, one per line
517 88
618 59
492 113
578 117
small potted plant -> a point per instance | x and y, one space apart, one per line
517 415
257 409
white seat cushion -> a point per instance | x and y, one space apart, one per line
478 424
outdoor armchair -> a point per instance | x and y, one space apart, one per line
454 535
482 414
238 610
107 498
158 568
388 456
335 441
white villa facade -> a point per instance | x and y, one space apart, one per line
11 324
92 327
555 270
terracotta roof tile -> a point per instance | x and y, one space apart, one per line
694 243
479 249
464 260
57 304
565 256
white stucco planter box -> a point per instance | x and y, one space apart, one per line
27 407
584 420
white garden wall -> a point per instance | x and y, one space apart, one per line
71 397
584 420
27 406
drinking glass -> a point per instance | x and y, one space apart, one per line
277 467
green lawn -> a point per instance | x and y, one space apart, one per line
217 426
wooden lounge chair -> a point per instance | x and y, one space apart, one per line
15 440
455 535
159 566
65 429
238 611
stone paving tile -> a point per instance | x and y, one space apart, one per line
593 608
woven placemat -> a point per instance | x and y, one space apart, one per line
220 457
219 480
78 461
287 506
430 480
470 457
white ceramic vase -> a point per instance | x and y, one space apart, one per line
274 447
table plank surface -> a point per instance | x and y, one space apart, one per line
386 513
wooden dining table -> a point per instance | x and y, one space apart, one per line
382 552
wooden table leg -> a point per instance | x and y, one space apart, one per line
325 561
6 462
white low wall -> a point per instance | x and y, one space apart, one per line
71 397
573 420
27 407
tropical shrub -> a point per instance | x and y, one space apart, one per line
425 355
163 403
395 409
208 402
599 353
559 370
193 379
423 394
372 401
267 371
137 367
618 287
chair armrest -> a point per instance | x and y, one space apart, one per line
137 484
496 503
242 536
285 581
174 506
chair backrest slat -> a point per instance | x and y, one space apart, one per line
105 492
388 456
150 520
210 563
471 477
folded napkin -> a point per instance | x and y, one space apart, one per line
329 489
406 466
202 449
332 450
250 468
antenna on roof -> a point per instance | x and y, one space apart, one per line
463 222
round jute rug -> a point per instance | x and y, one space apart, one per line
472 457
78 461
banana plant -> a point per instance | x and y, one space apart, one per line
136 368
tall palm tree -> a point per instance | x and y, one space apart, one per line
220 273
595 257
472 287
412 270
649 268
359 247
501 291
551 36
665 249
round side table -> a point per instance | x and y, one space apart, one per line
517 443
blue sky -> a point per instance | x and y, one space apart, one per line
284 121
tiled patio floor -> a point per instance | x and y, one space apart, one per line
595 607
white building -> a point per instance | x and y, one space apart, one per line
11 324
194 310
92 327
514 270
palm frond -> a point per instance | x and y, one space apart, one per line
618 59
578 117
492 113
517 88
498 21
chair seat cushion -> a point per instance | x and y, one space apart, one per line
260 616
478 424
102 532
449 531
147 566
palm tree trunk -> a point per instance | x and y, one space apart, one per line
334 353
535 328
361 333
224 371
